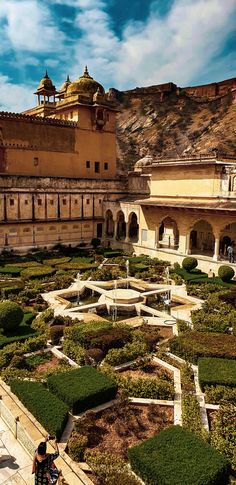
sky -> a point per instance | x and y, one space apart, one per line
125 43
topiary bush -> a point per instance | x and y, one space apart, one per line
176 456
95 242
189 263
56 332
226 273
11 315
37 272
83 388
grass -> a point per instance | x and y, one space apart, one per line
36 359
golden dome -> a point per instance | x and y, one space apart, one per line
65 85
85 85
46 84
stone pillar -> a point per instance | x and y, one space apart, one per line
115 229
187 243
127 239
216 255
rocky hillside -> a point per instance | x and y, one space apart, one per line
173 123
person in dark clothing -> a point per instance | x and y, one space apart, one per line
43 464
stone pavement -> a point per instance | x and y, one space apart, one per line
15 463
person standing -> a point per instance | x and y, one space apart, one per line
230 252
43 464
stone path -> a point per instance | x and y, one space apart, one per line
15 463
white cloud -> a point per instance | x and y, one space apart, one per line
177 47
27 25
181 46
15 97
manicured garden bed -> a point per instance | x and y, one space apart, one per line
120 426
193 345
83 388
178 457
47 408
213 371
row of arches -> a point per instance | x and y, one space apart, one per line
201 237
119 229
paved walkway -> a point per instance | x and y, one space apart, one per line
15 463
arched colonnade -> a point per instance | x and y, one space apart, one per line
117 227
201 236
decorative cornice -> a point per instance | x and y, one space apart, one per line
5 115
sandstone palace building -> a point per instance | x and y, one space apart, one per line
60 184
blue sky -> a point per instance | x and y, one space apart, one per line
126 43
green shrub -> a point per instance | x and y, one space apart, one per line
50 411
10 290
110 468
24 264
95 242
214 372
84 332
149 388
77 266
37 272
56 261
127 353
76 446
223 433
11 315
193 345
226 273
83 388
10 270
74 351
112 254
189 263
191 414
176 456
56 333
212 321
219 394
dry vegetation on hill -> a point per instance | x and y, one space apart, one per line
179 124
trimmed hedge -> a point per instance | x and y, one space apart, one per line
176 456
84 332
11 270
214 372
193 345
77 266
56 261
112 254
10 290
47 408
83 388
37 272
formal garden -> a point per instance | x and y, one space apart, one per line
152 396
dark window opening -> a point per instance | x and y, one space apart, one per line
12 201
64 201
87 163
105 166
97 167
39 201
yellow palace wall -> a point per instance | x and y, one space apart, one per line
182 181
62 150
